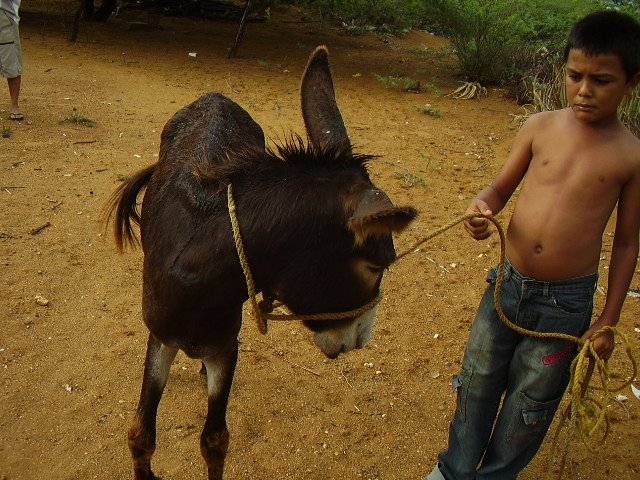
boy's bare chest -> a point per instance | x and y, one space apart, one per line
566 164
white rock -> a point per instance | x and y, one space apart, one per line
40 300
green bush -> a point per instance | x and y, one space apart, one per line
497 40
632 7
539 73
517 43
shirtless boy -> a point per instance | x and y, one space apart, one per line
575 165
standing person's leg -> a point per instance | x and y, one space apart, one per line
480 385
538 376
11 61
14 93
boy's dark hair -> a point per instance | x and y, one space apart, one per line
608 32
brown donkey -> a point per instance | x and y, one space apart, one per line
316 233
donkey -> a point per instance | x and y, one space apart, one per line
316 234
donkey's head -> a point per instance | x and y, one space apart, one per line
347 234
357 276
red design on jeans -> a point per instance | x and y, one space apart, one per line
552 358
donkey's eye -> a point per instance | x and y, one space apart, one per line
375 268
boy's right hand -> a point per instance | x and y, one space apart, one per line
478 227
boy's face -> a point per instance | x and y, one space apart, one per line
596 85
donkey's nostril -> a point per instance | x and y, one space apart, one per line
331 355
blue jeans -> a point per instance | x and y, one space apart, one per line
533 373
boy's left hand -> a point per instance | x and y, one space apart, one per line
603 344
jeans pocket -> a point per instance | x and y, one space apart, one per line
461 383
531 419
573 303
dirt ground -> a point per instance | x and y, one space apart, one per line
71 369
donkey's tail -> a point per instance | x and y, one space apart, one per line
123 203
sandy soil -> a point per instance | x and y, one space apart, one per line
71 370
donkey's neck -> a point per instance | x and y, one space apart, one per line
284 219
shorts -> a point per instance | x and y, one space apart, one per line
10 48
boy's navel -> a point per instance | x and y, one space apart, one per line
538 249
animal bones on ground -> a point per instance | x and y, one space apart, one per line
469 90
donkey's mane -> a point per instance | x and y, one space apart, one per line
290 153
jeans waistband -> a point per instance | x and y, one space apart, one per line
575 283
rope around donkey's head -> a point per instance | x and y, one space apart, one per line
262 311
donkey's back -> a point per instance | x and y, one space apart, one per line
205 131
196 140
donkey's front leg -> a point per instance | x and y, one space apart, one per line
214 440
142 434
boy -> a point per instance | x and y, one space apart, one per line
579 163
11 53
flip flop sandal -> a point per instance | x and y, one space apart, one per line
16 116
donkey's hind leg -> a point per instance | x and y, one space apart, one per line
214 440
142 434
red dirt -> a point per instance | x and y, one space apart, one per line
71 370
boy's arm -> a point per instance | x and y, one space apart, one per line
624 256
493 198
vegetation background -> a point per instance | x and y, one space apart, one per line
512 43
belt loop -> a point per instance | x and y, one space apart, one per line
507 269
545 289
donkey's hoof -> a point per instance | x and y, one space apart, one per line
148 475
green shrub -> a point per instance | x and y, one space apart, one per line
429 109
410 180
405 83
503 42
496 41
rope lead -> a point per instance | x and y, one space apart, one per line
588 415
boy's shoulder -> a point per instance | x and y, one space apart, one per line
547 120
630 144
556 121
550 115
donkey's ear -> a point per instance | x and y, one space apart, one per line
319 108
375 215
